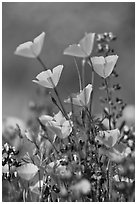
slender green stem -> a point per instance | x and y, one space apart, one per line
108 98
42 63
54 101
109 178
57 94
80 81
109 166
83 73
40 188
92 82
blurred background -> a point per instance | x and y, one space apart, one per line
64 23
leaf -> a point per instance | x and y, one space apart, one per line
27 171
83 48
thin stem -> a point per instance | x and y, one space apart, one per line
39 186
54 101
80 81
42 63
57 94
109 178
83 73
92 82
109 166
108 97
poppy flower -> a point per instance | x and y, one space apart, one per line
108 138
31 49
83 48
81 99
104 66
57 124
116 153
49 79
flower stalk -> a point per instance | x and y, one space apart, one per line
92 82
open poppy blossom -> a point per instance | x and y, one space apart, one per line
104 66
49 79
83 48
108 138
31 49
116 153
57 124
81 99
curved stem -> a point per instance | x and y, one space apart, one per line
80 81
83 73
108 98
92 82
65 114
42 63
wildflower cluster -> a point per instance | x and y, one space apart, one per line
76 155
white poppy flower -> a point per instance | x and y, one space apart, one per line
49 79
109 138
57 124
104 66
31 49
83 48
81 99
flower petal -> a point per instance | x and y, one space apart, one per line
98 65
31 49
104 66
84 96
45 84
87 43
75 101
59 118
38 44
83 48
74 50
44 75
56 74
109 138
45 118
44 79
110 63
25 50
66 129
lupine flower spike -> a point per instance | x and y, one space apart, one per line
31 49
